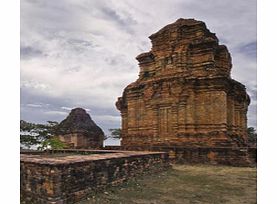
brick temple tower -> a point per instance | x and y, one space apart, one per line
184 95
78 130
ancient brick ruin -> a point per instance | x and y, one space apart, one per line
184 96
68 176
184 103
78 130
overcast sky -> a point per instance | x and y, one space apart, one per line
81 53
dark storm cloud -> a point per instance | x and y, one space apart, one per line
27 52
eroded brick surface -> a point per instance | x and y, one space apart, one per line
185 97
78 130
54 178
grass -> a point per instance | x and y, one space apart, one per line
185 184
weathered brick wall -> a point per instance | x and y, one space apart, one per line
184 94
78 130
208 155
79 140
47 181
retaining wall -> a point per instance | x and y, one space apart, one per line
232 156
68 179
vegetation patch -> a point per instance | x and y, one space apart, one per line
185 184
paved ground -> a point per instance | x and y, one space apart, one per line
185 184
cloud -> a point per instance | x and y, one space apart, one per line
125 22
82 53
56 113
34 105
66 108
108 118
249 49
29 52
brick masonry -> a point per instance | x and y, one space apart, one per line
185 101
58 179
78 131
231 156
184 95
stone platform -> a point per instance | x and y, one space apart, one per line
68 176
230 156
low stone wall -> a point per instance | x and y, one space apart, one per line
233 156
48 178
112 147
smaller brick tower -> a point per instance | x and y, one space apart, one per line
78 130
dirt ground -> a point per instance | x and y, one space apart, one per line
185 184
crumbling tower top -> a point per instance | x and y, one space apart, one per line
185 47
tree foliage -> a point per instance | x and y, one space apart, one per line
115 133
52 143
41 136
252 136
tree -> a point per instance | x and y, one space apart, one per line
41 136
115 133
252 136
52 143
